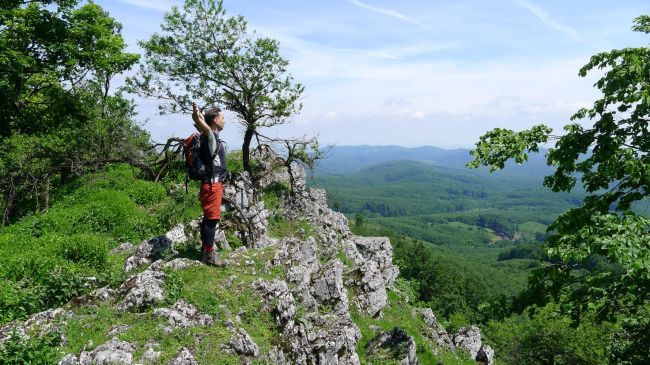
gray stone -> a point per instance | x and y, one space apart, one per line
156 248
468 339
183 315
376 249
175 264
124 247
184 357
113 352
435 330
485 355
104 294
371 291
150 355
142 290
327 287
242 344
38 324
396 343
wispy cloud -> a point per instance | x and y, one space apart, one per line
389 12
162 5
546 19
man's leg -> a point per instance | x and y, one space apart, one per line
208 229
210 197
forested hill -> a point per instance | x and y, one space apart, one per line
422 196
351 159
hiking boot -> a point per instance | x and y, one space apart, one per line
212 259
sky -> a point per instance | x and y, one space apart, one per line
416 73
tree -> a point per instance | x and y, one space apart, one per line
612 162
200 54
56 64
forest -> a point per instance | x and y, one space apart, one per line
554 266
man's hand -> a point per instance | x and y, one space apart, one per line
197 116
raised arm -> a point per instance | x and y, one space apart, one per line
199 121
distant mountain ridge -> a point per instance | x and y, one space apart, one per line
345 160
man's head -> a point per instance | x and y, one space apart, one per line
215 119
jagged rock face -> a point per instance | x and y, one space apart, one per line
374 271
142 290
397 343
113 352
242 344
300 260
38 324
435 331
183 315
371 292
249 213
377 250
184 357
313 338
469 339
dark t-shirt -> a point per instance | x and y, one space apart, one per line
219 171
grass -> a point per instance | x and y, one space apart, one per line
398 313
224 293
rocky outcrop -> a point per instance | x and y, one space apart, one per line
182 315
243 345
395 344
466 339
37 325
184 357
113 352
249 216
469 339
142 290
435 330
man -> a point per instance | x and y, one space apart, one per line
213 155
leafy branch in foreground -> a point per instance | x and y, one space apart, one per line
611 160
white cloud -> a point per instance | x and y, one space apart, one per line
389 12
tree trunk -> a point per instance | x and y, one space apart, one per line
245 149
9 198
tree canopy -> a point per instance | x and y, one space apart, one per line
201 54
608 154
57 60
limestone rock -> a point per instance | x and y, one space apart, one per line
113 352
327 287
176 264
150 355
435 331
396 343
142 290
183 315
469 339
371 293
38 324
124 247
242 344
376 249
184 357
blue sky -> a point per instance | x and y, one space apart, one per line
415 73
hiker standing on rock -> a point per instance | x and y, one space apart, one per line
213 155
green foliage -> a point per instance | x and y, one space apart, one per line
549 338
34 351
60 120
611 159
47 256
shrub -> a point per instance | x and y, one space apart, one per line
35 351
